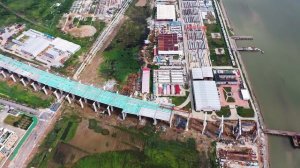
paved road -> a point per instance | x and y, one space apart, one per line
39 132
20 107
102 38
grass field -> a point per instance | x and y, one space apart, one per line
218 60
178 100
156 153
124 159
244 112
225 111
23 95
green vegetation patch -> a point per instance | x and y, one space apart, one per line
230 99
156 153
10 119
121 57
63 131
23 95
225 111
21 121
124 159
227 89
94 125
245 112
178 100
217 60
70 131
213 155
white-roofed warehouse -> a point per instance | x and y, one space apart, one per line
35 45
206 97
166 12
65 45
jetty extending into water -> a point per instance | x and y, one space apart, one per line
242 37
295 136
251 49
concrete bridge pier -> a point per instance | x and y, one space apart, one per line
23 82
155 121
187 124
123 115
204 123
140 118
95 107
171 120
68 98
221 128
45 90
56 94
3 73
33 85
81 103
98 104
109 112
13 77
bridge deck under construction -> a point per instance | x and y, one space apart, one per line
127 104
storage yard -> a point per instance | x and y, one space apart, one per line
97 9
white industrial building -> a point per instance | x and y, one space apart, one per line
166 12
44 48
245 94
206 97
34 46
202 73
65 45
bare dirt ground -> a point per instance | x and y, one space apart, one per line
91 72
93 142
82 31
141 3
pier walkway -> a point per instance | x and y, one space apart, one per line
281 133
242 37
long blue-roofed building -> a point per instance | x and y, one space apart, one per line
87 93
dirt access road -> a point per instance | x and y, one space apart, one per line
90 74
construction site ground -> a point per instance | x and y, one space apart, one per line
118 139
91 74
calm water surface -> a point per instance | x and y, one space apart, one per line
275 76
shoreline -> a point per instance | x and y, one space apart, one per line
262 138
